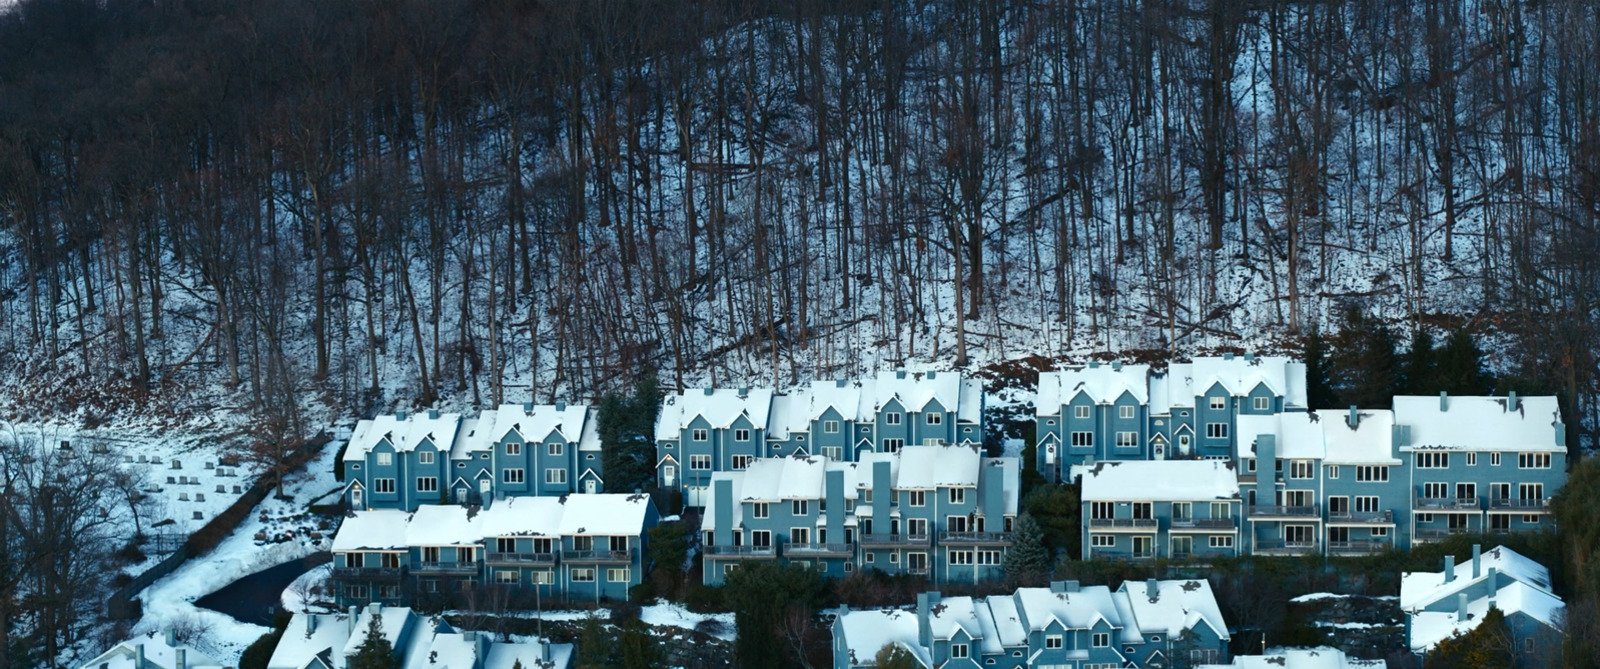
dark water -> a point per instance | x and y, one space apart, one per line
257 597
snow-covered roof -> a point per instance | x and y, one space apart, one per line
529 654
1430 627
1104 384
403 434
708 520
1298 434
794 477
947 466
1174 606
954 613
1167 480
375 530
971 399
1299 658
1007 621
1370 442
447 650
788 416
867 632
720 407
1241 375
156 654
1420 589
522 517
915 389
444 525
849 398
535 422
1480 423
393 619
297 647
475 436
604 514
1075 610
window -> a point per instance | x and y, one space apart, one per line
698 434
1082 438
1050 421
1052 641
1379 532
990 558
935 418
583 575
1372 474
799 535
700 462
1424 517
1300 469
893 445
891 418
553 449
1216 430
1263 403
352 560
383 485
506 576
1222 541
830 426
762 538
389 591
918 497
1533 460
430 554
355 465
385 459
1080 411
425 457
1367 504
355 591
961 557
1127 439
1143 510
1125 412
742 461
1494 459
1472 459
958 495
430 585
513 448
1102 540
505 545
1221 510
1435 490
617 575
1101 640
1182 510
1250 465
1219 402
1102 510
1333 471
512 476
1432 460
1467 491
799 507
555 476
833 452
427 484
1530 492
958 650
760 510
741 434
1529 519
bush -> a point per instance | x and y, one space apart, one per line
705 599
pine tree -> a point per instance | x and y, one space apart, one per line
626 426
594 644
375 651
1366 368
1460 370
1418 372
1028 560
1320 393
1490 644
639 648
893 656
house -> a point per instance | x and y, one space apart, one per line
1480 464
1138 625
1299 658
1455 600
326 641
591 547
1170 508
703 431
1194 406
1095 413
403 461
943 511
149 652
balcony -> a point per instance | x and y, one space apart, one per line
520 559
1247 478
976 538
597 557
1437 533
1519 506
1361 517
1118 555
1271 511
1280 547
1203 525
368 573
456 568
1357 547
819 550
1445 504
742 552
1124 524
893 540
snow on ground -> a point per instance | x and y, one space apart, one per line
1317 596
170 600
295 596
661 614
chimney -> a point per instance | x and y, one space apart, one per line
925 603
1444 401
1063 587
1227 356
527 407
1094 364
1477 560
1461 607
544 650
1152 588
138 656
400 415
561 406
433 414
1511 401
838 383
900 374
708 391
1449 568
355 612
178 661
1493 584
744 391
375 608
172 637
311 623
1116 365
931 375
1355 417
1249 357
722 511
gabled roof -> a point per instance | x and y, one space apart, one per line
1420 589
475 436
915 389
522 517
1168 480
535 422
1184 381
1299 658
1299 434
952 614
444 525
403 435
1430 627
776 479
603 514
394 621
1370 442
156 654
296 648
1075 610
867 632
720 407
1479 423
375 530
529 654
928 467
1103 384
1174 606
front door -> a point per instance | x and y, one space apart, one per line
591 486
355 498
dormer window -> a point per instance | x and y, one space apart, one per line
891 418
385 459
553 449
1080 411
935 418
1263 403
1125 412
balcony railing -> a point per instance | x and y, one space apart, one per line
1280 547
375 573
1357 547
447 567
1435 533
819 550
1384 517
975 537
1208 524
919 571
1120 556
1434 504
1520 505
1282 511
892 540
1125 524
756 552
591 556
520 559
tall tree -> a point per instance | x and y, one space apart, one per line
375 651
1027 561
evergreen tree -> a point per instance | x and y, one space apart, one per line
638 647
1418 370
1366 368
1056 509
1461 370
594 644
894 656
669 549
626 426
1319 381
375 651
1490 644
1027 562
763 595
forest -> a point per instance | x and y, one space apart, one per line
283 204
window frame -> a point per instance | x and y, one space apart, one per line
507 476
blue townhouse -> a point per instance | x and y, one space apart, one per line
1148 624
1095 413
1440 605
1137 510
586 547
401 461
945 512
703 431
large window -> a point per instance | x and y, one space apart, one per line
741 435
958 495
1222 541
383 485
555 476
698 434
742 461
760 510
799 507
1372 474
918 497
512 476
891 418
1127 439
1263 403
1102 510
700 462
1217 430
1432 460
1219 402
506 576
1300 469
1533 460
583 575
427 484
1082 438
1101 640
1367 504
935 418
893 445
1052 641
830 426
960 557
1103 540
1435 490
617 575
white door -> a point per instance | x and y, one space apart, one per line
697 496
590 486
355 498
669 475
484 484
